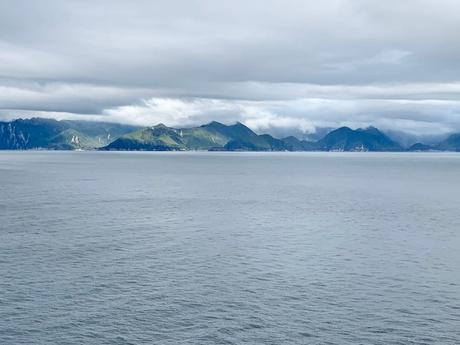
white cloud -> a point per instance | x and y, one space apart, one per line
304 114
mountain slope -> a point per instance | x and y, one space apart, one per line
291 143
42 133
157 138
71 139
452 143
419 147
28 134
212 136
239 136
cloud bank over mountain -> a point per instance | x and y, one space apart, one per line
272 65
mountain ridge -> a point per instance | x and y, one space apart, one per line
40 133
347 139
238 137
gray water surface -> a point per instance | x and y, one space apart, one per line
229 248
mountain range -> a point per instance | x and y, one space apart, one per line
38 133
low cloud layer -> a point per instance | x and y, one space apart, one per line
274 65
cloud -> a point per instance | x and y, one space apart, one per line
304 115
272 64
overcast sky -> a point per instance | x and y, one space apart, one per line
269 64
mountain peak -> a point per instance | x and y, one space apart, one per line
372 130
213 124
343 129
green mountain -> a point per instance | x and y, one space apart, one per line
239 137
70 139
347 139
291 143
38 133
157 138
212 136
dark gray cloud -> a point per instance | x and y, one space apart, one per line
271 64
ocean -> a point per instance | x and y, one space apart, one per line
229 248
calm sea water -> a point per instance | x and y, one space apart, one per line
229 248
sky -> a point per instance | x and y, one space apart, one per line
287 65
